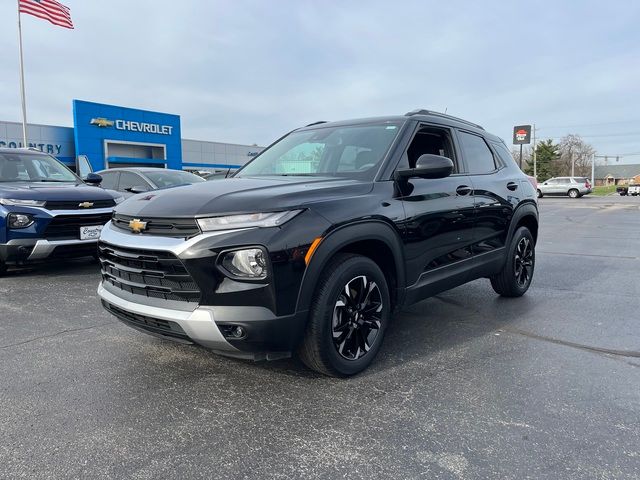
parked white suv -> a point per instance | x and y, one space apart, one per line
572 186
634 189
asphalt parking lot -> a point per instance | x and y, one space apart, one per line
467 385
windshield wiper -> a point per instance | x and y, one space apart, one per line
48 180
297 174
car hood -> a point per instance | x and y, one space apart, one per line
52 191
241 195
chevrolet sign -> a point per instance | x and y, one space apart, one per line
132 126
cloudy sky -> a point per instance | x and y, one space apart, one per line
247 71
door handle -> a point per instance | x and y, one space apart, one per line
463 190
512 186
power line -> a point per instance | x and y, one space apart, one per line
599 135
588 124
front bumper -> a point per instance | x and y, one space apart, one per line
266 310
268 338
19 251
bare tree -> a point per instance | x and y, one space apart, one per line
574 149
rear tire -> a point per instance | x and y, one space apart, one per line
515 277
349 314
3 268
573 193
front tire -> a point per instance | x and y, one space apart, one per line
3 268
515 277
349 314
539 193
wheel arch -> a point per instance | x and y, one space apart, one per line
374 239
525 215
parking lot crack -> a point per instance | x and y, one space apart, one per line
587 255
56 334
606 351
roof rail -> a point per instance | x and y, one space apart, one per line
316 123
422 111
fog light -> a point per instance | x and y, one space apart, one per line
238 332
250 263
20 220
235 332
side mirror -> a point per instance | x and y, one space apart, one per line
428 166
93 179
137 189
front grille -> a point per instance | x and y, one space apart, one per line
148 273
67 227
150 324
76 205
162 227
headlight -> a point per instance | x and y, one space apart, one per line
20 202
19 220
269 219
118 200
248 263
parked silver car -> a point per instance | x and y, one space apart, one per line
132 180
572 186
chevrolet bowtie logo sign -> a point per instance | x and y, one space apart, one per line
102 122
85 205
137 226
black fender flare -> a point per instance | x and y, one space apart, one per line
339 238
523 210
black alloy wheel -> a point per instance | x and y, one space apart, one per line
523 262
356 318
349 314
515 277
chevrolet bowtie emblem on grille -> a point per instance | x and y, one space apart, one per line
136 225
85 205
102 122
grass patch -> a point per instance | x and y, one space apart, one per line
604 190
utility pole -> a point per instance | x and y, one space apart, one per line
535 163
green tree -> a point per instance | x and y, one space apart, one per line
547 155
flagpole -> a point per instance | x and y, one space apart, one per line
23 96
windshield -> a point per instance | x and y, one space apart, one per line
172 178
348 151
25 167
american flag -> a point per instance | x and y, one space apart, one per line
55 12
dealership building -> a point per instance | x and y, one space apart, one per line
111 136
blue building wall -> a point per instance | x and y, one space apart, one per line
94 123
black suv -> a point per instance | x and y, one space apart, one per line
314 244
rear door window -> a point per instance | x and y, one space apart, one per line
477 153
